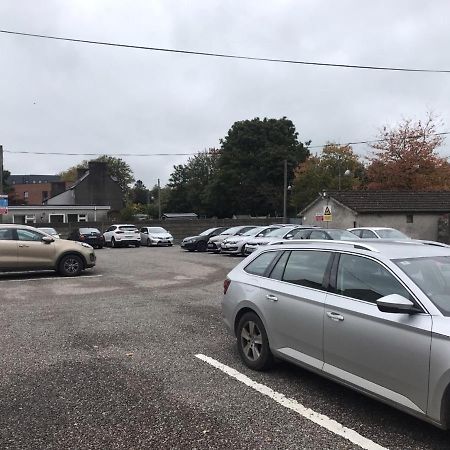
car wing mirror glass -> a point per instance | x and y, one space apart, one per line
397 304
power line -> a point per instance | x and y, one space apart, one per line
225 55
28 152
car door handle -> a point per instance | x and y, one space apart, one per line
335 316
272 298
23 245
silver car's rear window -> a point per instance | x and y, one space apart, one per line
432 275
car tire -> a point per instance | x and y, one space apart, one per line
149 244
138 244
253 343
70 266
113 243
100 247
202 246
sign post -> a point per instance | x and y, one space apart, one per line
327 216
3 204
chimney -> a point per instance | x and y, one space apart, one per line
97 181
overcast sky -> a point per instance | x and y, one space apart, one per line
67 97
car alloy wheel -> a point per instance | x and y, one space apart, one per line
149 244
253 344
70 266
113 243
202 246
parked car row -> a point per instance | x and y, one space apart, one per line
244 240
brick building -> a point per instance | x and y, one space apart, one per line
34 189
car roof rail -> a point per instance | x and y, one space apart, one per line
357 245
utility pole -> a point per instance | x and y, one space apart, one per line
1 177
159 200
285 193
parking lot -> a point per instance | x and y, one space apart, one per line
133 354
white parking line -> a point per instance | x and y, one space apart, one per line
319 419
56 278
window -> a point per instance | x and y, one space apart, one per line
306 268
28 235
409 218
82 217
144 230
259 265
302 234
30 219
365 279
278 270
6 234
25 195
367 234
318 235
111 228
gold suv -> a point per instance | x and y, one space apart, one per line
26 248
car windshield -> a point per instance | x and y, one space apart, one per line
342 235
231 231
157 230
206 232
391 233
127 228
432 275
280 232
253 231
89 230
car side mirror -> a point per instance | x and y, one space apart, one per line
47 239
289 236
397 304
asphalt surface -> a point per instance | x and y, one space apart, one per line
108 361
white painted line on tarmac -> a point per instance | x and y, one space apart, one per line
319 419
56 278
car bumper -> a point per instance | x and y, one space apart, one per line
189 245
212 247
232 249
91 260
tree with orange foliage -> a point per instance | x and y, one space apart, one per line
406 159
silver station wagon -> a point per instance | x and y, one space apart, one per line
375 317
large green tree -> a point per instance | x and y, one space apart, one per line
188 183
117 168
250 171
338 167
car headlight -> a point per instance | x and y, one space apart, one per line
83 244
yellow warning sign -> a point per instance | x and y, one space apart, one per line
327 216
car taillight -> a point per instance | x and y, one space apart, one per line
82 237
137 231
226 285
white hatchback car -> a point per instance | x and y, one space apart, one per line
122 235
155 236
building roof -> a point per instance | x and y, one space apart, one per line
179 216
393 201
32 179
